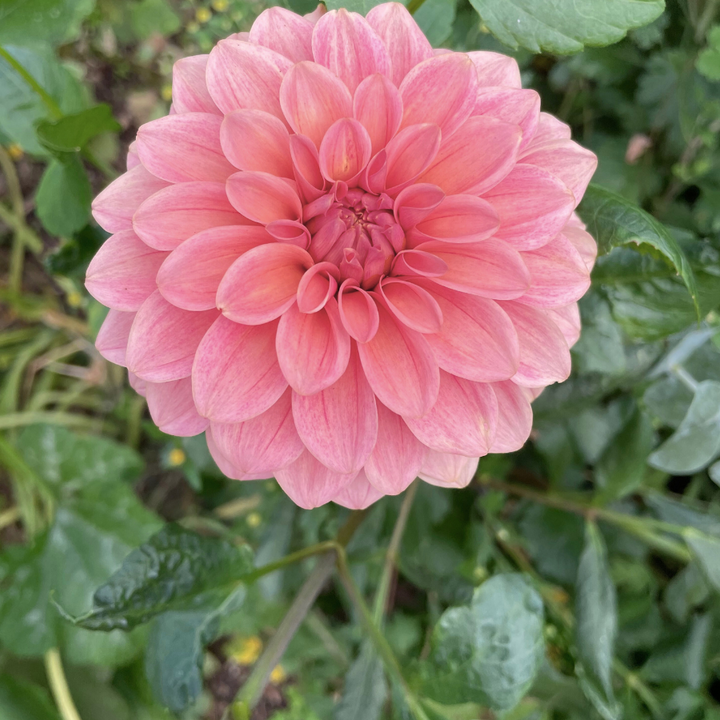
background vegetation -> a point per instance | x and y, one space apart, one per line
575 579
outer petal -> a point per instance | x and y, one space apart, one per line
236 375
284 32
189 89
190 276
400 367
339 424
309 483
172 408
406 43
137 384
262 284
163 340
182 148
112 338
397 455
567 318
262 197
345 44
359 494
243 75
496 69
313 348
175 213
440 90
458 219
226 467
514 418
122 274
446 470
377 105
583 242
517 107
549 129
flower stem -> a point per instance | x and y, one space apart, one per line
59 686
50 103
414 5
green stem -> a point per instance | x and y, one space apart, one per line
59 686
9 517
414 5
50 103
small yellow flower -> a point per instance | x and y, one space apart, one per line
202 15
220 5
74 299
247 651
166 92
15 151
278 675
254 519
176 457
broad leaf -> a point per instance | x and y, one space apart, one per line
46 21
706 548
365 689
21 700
63 197
435 18
72 132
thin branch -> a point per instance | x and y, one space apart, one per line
59 686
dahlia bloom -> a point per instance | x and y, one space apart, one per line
346 257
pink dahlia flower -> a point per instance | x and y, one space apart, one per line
347 258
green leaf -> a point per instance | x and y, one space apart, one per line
613 222
175 570
73 132
490 652
21 700
149 17
365 688
436 18
706 548
678 513
63 197
708 61
359 6
42 21
564 26
696 442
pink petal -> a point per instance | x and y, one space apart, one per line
583 242
491 269
339 424
316 14
358 495
307 167
177 212
163 340
316 288
409 153
400 367
446 470
313 349
533 206
358 312
517 107
415 203
464 165
225 466
496 69
312 99
345 44
284 32
289 231
262 197
397 455
544 354
549 129
182 148
263 444
172 408
558 274
256 140
377 105
440 90
137 384
477 340
567 318
309 484
262 284
114 207
411 305
403 38
462 421
189 90
244 75
190 276
458 219
514 418
132 159
112 338
345 150
236 375
122 273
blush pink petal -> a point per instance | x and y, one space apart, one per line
549 129
132 159
544 354
284 32
182 148
313 348
225 466
583 242
465 165
316 288
236 375
262 197
415 203
262 284
400 367
457 219
189 89
256 140
137 384
448 470
312 99
307 168
417 263
403 39
533 206
309 483
172 408
358 495
112 338
440 90
114 207
163 339
243 75
344 150
122 273
495 69
517 107
462 421
175 213
190 276
409 153
411 305
514 417
377 105
567 318
358 312
345 44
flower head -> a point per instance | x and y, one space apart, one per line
348 258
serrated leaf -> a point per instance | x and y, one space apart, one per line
489 652
21 700
63 197
706 549
72 132
564 26
365 689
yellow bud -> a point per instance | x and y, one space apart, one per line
220 5
176 457
247 651
202 15
15 151
254 519
166 92
278 675
74 299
